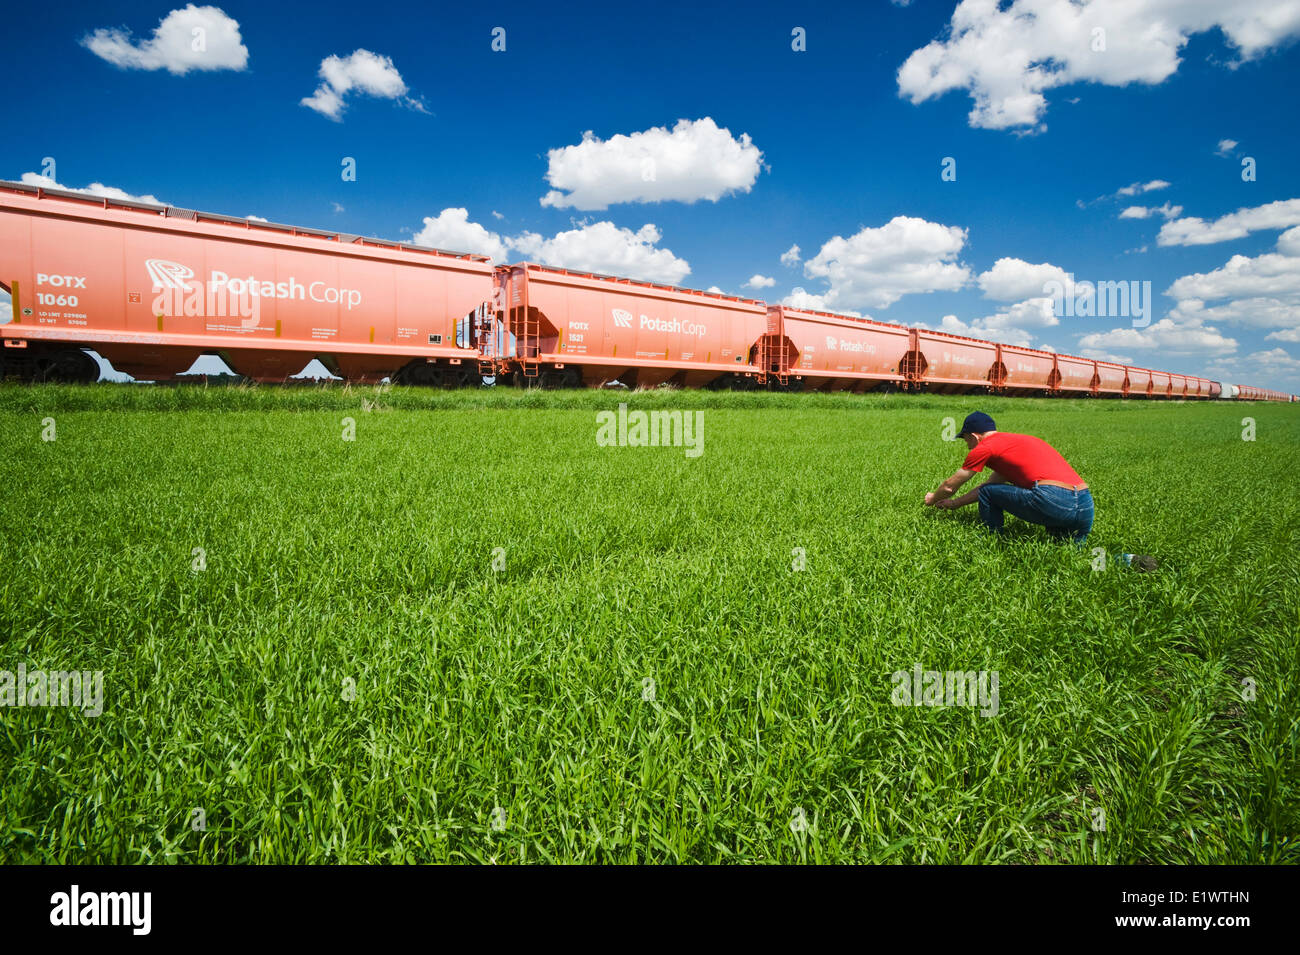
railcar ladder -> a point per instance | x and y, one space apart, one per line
485 336
529 341
913 364
772 359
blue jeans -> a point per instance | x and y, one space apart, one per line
1063 512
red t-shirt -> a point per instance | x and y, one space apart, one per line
1020 458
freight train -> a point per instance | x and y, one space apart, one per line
152 288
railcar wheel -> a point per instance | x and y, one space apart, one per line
466 378
71 366
43 370
77 366
421 373
557 378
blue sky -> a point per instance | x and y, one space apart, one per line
837 148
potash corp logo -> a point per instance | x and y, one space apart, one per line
624 319
841 344
168 275
179 293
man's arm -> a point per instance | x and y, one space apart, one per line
971 496
948 488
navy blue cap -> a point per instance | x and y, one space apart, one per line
977 422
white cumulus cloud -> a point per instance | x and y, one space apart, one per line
1288 243
600 247
1132 189
452 231
809 301
760 281
1194 230
1271 273
875 267
608 249
800 298
1168 336
790 257
1008 55
1261 291
1014 280
1031 313
955 326
1138 188
1013 325
1165 211
1226 146
1103 355
191 38
1254 312
693 161
362 72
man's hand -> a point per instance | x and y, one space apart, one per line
948 488
948 505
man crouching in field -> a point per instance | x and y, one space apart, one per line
1029 479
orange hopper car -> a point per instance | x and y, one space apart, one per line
152 288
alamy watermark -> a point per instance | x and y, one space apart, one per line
178 294
651 429
129 909
1123 299
82 688
946 688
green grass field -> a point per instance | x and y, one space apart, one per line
647 678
